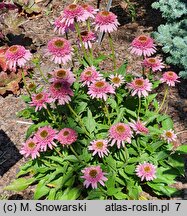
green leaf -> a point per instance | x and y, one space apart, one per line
122 69
99 59
120 196
182 149
130 169
81 107
132 113
41 190
167 124
71 158
111 162
52 194
20 184
95 195
70 194
89 121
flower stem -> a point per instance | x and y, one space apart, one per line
51 116
24 82
76 155
58 152
113 52
41 73
107 113
163 101
79 119
139 105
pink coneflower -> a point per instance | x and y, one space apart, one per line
87 37
89 75
120 133
40 100
61 92
170 78
62 27
139 127
72 13
93 175
169 136
116 80
99 147
60 50
146 171
63 75
30 148
143 45
140 87
17 55
100 89
67 136
155 64
89 11
106 21
45 137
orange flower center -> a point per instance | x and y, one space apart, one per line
72 6
44 134
105 13
88 73
93 173
170 73
152 60
120 129
39 96
147 169
31 145
139 83
116 80
13 48
169 134
59 43
57 85
31 86
66 133
99 84
99 145
143 38
61 73
84 6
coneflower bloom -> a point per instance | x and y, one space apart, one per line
67 136
63 75
72 13
62 27
45 137
169 136
99 147
89 75
155 64
31 148
120 133
60 50
139 127
143 45
89 11
116 80
17 55
100 89
146 171
61 92
106 21
140 87
93 175
40 100
170 78
87 37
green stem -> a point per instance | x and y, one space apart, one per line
139 105
76 155
51 116
58 152
113 52
80 38
88 25
24 82
79 119
107 113
163 101
41 73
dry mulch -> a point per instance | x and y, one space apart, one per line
40 30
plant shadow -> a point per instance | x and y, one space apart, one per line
9 154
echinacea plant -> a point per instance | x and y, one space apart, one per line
97 135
